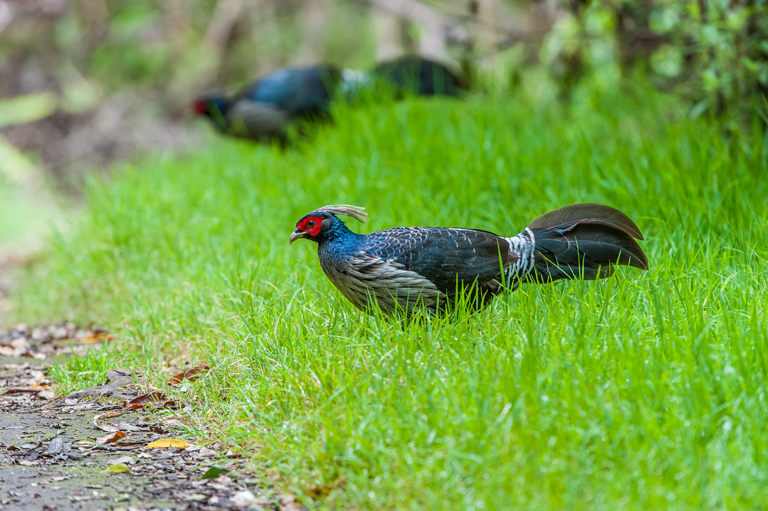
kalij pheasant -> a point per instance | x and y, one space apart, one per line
263 110
402 268
417 76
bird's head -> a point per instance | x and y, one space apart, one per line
209 105
213 107
317 225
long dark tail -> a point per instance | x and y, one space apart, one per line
578 241
419 76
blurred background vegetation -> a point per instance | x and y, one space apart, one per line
84 83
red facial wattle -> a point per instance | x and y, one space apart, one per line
311 225
200 107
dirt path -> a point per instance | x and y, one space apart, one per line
53 454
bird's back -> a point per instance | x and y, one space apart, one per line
297 91
419 76
411 264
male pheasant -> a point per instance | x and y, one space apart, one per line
403 268
263 110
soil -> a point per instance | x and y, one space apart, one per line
54 450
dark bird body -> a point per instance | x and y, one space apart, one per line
405 267
418 76
265 109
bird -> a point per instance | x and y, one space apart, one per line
401 269
418 76
264 110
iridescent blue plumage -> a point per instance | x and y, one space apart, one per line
297 90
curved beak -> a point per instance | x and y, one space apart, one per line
297 235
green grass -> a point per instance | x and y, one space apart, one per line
643 391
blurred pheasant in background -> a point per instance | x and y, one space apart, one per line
263 110
405 267
418 76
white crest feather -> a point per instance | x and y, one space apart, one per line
355 212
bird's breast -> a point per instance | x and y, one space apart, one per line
367 280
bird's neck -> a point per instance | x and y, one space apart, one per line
339 234
217 111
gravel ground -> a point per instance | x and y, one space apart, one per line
87 451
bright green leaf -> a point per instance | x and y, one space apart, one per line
214 471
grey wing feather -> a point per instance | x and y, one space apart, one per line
256 120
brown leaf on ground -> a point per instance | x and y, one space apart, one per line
190 374
317 491
157 399
99 337
24 390
107 426
111 438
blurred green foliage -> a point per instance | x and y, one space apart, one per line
712 52
722 46
174 49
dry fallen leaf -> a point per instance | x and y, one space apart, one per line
190 374
164 443
156 398
23 390
55 446
317 491
114 437
101 336
107 426
118 468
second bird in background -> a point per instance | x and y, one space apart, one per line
264 110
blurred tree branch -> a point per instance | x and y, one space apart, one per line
220 27
432 43
315 20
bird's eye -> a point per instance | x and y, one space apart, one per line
311 224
